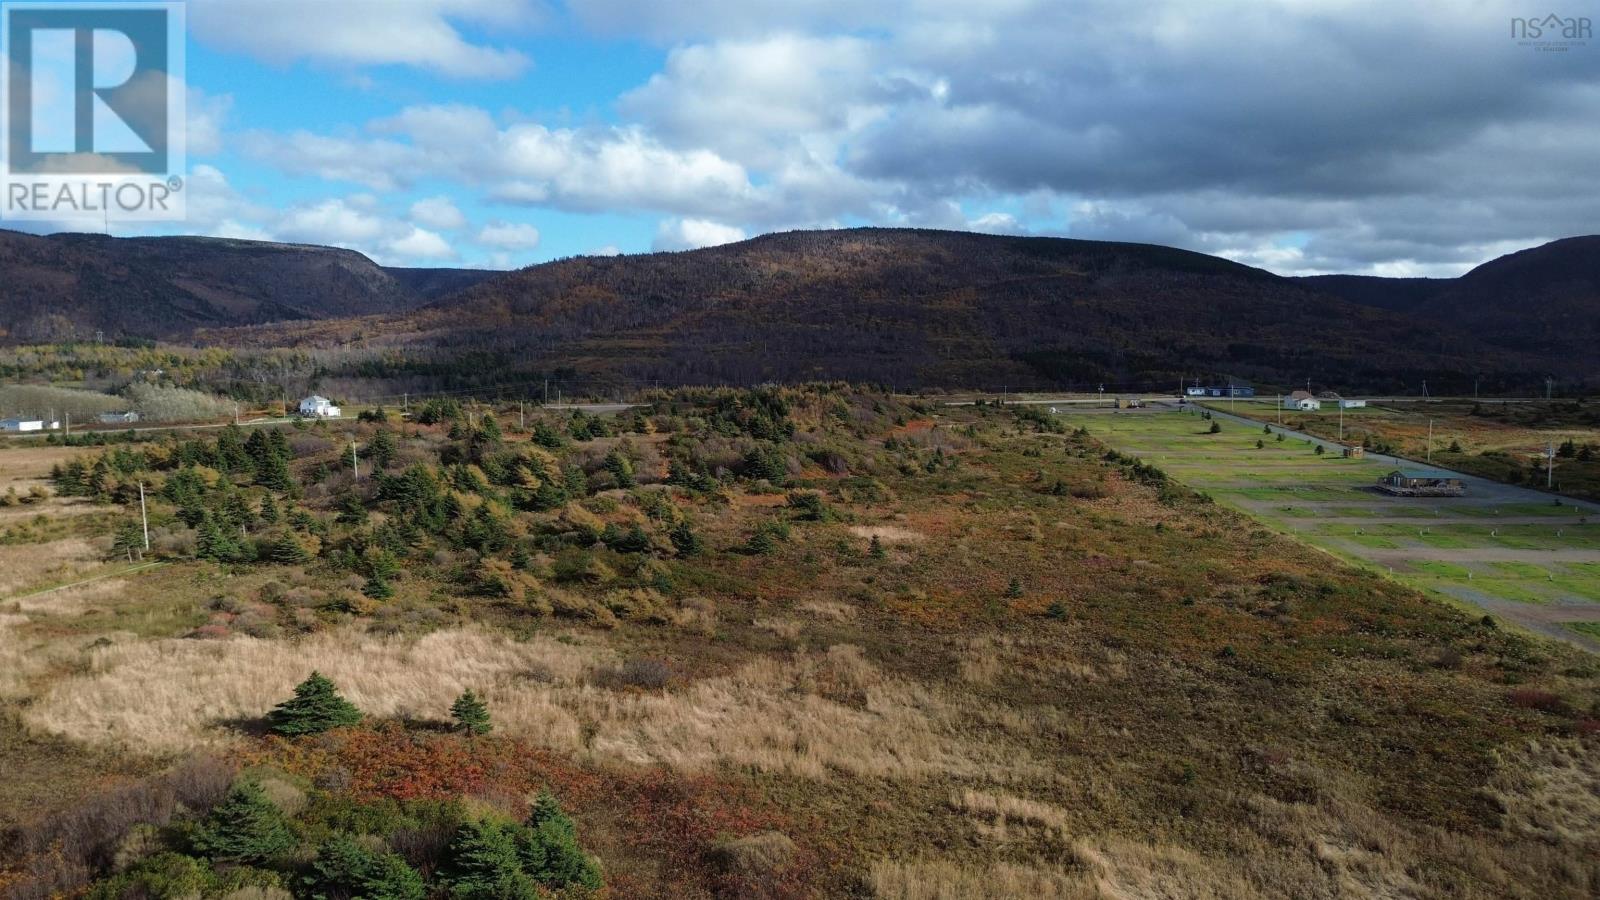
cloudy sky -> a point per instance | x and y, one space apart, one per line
1307 136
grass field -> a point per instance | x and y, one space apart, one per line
975 657
1477 549
1506 442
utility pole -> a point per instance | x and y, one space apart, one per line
1102 394
144 517
1550 466
67 429
1549 385
522 419
1424 388
355 465
1430 441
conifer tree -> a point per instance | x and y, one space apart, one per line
620 467
392 878
876 551
685 540
129 540
378 587
288 551
1014 589
315 707
471 714
550 851
484 864
382 450
244 827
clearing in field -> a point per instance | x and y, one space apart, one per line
1515 553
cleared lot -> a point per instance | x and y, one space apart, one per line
1505 550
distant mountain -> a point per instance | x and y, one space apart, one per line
916 307
74 285
1544 301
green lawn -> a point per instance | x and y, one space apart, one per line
1277 482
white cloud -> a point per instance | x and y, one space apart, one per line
419 33
690 234
337 222
607 250
509 236
438 213
421 245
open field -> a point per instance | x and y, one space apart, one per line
845 647
1506 442
1507 551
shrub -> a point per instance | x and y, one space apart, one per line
315 707
244 827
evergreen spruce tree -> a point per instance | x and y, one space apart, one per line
129 540
244 827
1014 589
392 878
471 714
382 450
484 864
550 851
269 511
685 540
351 510
341 868
378 587
876 551
288 551
620 467
761 543
315 707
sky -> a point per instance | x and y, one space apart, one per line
1303 137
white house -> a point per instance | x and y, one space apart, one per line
17 426
1303 401
315 407
119 418
1195 391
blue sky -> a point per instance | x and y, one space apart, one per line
1306 136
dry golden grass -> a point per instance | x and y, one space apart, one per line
827 609
72 600
1005 807
784 628
808 716
26 565
172 695
1551 791
942 880
887 534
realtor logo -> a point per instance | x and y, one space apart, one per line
93 110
